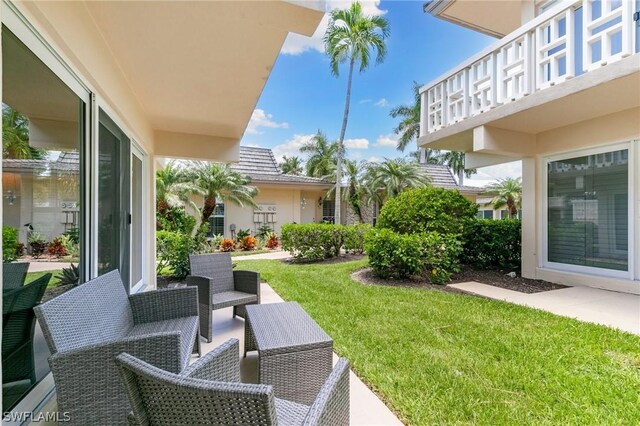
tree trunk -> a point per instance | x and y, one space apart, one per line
423 156
340 143
461 177
207 209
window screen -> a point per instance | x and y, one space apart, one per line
588 210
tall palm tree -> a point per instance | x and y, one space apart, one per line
15 136
173 189
506 192
291 165
219 182
426 156
357 194
350 38
393 176
322 156
455 160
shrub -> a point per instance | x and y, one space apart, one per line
9 244
176 220
272 241
56 248
227 245
264 231
393 255
440 253
37 243
70 247
69 276
491 244
354 236
73 234
427 209
242 233
312 241
173 249
248 243
19 250
216 240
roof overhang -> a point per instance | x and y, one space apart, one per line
495 18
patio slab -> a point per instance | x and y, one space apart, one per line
610 308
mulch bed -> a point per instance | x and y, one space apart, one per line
495 278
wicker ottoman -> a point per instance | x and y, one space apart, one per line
295 355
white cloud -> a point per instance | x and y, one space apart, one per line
296 44
374 159
364 101
360 143
259 119
491 174
382 103
389 140
291 147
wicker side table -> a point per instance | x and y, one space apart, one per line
295 355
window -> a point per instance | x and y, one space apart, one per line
588 218
484 214
216 221
42 158
328 211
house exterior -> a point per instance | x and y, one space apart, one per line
559 89
281 198
116 86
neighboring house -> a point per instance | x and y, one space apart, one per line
281 198
486 209
559 90
124 84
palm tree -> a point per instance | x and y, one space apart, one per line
506 192
357 194
173 189
426 156
395 176
15 136
322 159
455 160
291 165
219 182
350 37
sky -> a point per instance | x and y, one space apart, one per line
302 96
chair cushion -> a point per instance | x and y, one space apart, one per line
290 413
232 298
187 326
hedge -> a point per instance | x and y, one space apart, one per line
492 244
9 243
312 241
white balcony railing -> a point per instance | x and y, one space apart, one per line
570 39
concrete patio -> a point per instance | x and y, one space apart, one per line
610 308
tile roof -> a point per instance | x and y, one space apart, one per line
260 164
67 161
441 176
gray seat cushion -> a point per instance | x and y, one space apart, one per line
232 298
187 326
290 413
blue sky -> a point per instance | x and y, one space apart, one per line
302 96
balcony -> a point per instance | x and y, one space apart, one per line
573 47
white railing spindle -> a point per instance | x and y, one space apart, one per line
607 37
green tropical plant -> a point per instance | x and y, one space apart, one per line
506 193
455 160
15 136
9 243
174 187
321 162
291 165
69 276
393 176
219 182
38 244
352 37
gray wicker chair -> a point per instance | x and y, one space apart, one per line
18 326
219 286
210 392
14 274
88 326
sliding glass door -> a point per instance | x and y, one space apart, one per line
113 213
137 215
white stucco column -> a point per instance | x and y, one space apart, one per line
529 219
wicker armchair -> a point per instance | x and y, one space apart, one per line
18 325
219 286
88 326
210 392
14 274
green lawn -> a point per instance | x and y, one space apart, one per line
35 275
443 358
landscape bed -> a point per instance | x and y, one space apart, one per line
442 358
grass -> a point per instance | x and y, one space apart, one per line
444 358
35 275
246 253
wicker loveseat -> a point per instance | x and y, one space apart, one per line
219 286
88 326
209 392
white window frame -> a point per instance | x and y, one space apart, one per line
589 270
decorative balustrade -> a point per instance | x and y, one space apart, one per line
569 39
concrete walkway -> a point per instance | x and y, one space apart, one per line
610 308
271 255
47 266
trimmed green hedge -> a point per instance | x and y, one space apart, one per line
354 236
427 209
492 244
317 241
9 243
